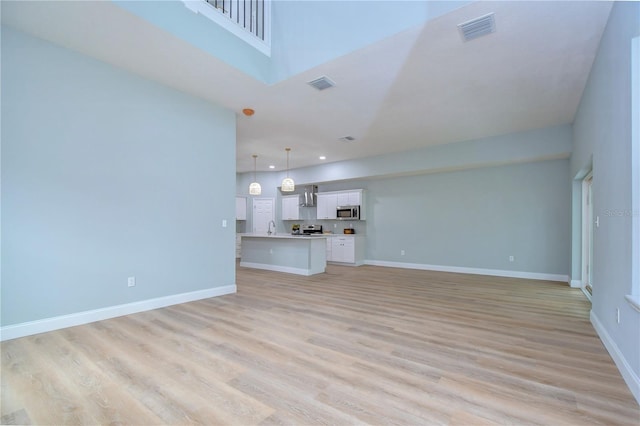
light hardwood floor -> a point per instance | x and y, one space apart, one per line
355 345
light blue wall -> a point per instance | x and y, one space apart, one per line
475 218
602 132
106 175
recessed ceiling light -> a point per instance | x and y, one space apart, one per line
322 157
271 166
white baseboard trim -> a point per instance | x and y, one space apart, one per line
358 263
71 320
575 283
629 376
475 271
278 268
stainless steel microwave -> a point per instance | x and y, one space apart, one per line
348 213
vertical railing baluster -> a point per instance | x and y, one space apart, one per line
256 14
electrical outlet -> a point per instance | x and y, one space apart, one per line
512 258
335 225
224 223
401 252
618 315
131 281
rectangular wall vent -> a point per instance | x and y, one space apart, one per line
321 83
478 27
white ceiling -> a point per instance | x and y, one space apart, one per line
421 87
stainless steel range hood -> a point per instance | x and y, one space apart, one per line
308 197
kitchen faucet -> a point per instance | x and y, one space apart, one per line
269 232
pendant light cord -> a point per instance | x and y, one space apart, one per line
254 167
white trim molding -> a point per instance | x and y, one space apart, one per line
575 283
475 271
279 268
634 301
56 323
629 376
634 297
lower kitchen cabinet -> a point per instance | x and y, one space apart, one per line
345 249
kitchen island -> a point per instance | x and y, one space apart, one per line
294 254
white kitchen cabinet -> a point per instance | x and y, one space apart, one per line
327 204
350 198
343 249
241 208
346 249
291 207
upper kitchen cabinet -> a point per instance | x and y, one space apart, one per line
291 207
241 208
350 198
327 205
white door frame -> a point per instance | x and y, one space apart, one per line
587 234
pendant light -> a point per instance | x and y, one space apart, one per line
255 188
287 183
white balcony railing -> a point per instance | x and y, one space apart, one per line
248 19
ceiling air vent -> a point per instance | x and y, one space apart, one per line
321 83
347 139
478 27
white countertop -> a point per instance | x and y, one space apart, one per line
284 235
305 237
289 236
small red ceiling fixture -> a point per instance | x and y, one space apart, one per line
248 112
